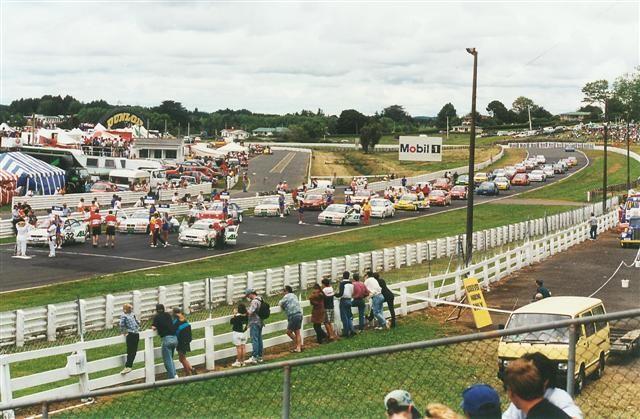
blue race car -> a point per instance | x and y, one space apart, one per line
488 188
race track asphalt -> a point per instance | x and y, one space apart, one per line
133 251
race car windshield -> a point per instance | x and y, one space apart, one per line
362 193
314 197
409 198
377 203
216 207
501 179
336 208
436 193
557 335
200 226
140 214
486 185
458 188
270 201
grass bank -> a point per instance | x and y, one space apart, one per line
348 242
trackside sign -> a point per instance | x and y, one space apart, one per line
420 148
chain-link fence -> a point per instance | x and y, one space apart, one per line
602 351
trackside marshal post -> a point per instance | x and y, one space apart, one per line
476 299
420 148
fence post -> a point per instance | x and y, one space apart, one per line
186 297
571 360
209 346
397 258
407 253
19 328
208 303
137 302
229 290
51 322
162 294
109 302
6 394
149 360
286 392
269 282
82 316
403 301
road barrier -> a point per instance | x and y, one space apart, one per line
552 144
100 373
338 146
99 313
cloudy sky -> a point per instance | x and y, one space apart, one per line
278 57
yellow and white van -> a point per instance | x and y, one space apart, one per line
593 344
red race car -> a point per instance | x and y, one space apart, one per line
439 197
520 179
442 183
458 192
314 201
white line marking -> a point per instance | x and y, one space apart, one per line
264 234
282 164
102 256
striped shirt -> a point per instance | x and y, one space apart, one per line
129 323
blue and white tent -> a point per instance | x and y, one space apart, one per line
33 174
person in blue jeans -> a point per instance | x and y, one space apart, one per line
377 300
163 324
255 327
345 292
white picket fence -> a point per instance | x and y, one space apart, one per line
49 322
487 272
552 144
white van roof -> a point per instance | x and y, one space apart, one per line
560 305
126 173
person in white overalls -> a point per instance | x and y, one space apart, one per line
51 230
23 229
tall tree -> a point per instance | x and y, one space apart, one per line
499 112
350 121
522 104
397 113
627 90
447 110
370 135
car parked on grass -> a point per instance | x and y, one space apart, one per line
411 202
439 197
382 208
339 214
488 188
104 186
459 192
209 233
520 179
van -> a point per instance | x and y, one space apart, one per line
593 339
123 178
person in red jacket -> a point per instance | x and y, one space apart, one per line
95 223
111 221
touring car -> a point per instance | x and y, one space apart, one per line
411 202
362 195
209 233
314 201
138 222
462 180
502 183
270 207
439 197
510 171
537 176
459 192
520 179
339 214
480 177
631 233
216 212
487 188
382 208
73 231
442 183
548 170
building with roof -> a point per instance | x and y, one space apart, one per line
269 132
574 116
232 134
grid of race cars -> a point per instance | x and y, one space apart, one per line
216 223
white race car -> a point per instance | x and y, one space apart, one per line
339 214
138 222
362 195
270 207
73 231
382 208
537 176
209 233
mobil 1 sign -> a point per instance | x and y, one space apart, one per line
420 148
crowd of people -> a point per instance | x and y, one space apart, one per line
530 385
108 147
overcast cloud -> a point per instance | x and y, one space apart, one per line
283 57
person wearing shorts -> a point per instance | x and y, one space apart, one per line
329 309
111 222
239 333
95 222
290 304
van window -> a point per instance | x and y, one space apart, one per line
170 154
144 153
108 163
157 154
598 310
589 328
92 162
557 335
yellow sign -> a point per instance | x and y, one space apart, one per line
124 117
476 299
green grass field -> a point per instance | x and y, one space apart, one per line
575 188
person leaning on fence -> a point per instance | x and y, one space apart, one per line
345 292
525 387
360 292
239 333
388 297
593 227
481 401
316 298
329 310
290 304
130 328
255 326
377 300
163 324
399 405
556 396
183 333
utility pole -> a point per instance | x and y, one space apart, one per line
447 128
628 161
604 172
529 112
472 151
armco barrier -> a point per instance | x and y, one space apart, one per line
56 320
337 146
552 144
429 288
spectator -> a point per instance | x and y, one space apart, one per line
404 182
130 328
556 396
290 304
440 411
329 311
388 297
481 401
593 224
525 388
399 405
360 292
345 293
541 289
377 300
255 326
366 212
300 211
239 333
183 333
163 324
316 298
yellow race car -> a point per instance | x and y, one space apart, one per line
502 183
411 202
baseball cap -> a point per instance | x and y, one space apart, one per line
249 291
402 397
480 399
